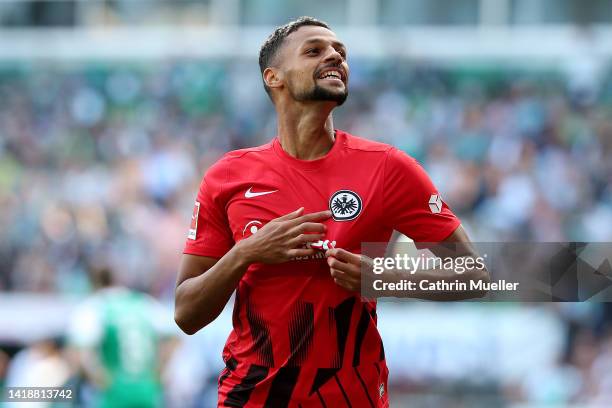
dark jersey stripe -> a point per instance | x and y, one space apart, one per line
342 315
381 357
362 328
282 387
223 376
301 331
322 376
261 336
342 390
240 394
365 389
323 404
236 320
230 365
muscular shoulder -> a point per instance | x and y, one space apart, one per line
249 152
219 171
358 143
396 161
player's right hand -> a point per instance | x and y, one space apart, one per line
285 237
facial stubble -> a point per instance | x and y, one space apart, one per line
320 93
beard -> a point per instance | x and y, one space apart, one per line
319 93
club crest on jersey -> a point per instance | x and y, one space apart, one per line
345 205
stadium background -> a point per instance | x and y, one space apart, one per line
110 112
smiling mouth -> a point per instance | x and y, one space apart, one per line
331 75
332 79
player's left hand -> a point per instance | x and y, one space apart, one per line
345 268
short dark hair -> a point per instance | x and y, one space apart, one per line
101 276
271 46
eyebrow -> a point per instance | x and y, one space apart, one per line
319 40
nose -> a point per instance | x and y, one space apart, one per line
333 55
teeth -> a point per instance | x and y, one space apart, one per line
332 74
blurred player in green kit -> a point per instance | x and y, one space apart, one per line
117 337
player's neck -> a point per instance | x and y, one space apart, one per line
307 133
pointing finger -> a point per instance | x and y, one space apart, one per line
317 216
308 227
291 215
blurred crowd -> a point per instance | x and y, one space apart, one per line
99 161
103 162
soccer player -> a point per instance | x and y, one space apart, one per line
116 339
282 225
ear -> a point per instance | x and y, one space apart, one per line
272 77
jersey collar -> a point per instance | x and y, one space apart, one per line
311 165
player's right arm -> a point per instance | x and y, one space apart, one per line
205 284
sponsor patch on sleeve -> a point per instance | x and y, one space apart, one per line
435 203
193 228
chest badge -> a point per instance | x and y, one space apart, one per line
345 205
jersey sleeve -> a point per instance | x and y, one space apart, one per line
209 233
412 204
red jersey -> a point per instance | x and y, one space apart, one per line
299 339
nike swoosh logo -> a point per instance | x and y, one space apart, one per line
250 194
